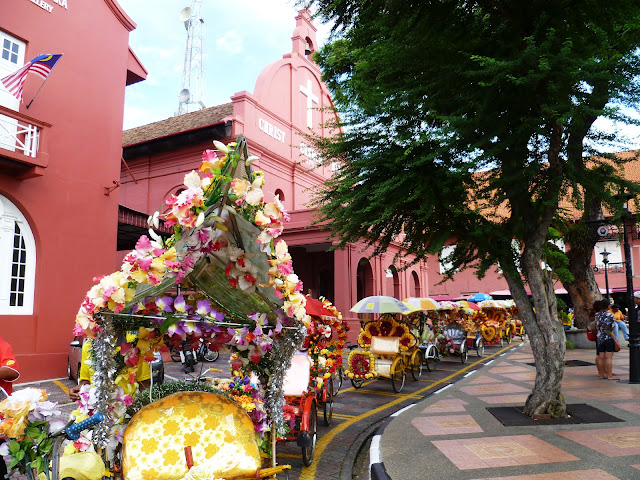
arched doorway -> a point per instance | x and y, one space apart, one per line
364 279
416 285
393 282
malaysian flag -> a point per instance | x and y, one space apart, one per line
41 66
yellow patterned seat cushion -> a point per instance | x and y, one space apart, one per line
219 432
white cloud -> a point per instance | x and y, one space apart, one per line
231 42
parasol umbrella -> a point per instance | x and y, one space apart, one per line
491 304
479 297
423 303
447 305
316 308
468 305
382 304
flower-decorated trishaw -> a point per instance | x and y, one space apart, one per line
474 336
494 324
308 384
387 348
224 276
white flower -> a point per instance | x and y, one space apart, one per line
221 146
192 180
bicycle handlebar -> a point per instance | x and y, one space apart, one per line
73 432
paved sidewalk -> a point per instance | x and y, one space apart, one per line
451 434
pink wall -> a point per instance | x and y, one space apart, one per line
71 218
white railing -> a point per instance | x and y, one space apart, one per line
19 135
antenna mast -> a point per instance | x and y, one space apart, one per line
190 97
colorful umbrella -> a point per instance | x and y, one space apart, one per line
491 304
468 305
446 305
422 303
382 304
508 303
316 308
479 297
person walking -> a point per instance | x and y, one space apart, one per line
619 322
605 346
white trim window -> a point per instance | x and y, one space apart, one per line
17 261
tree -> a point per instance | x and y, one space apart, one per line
467 122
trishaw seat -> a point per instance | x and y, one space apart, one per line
296 381
218 430
385 345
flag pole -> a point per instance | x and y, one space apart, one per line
48 75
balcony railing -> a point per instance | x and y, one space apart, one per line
23 144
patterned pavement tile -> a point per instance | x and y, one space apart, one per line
497 399
446 425
636 466
446 405
520 376
484 379
590 370
608 393
496 389
612 442
633 407
595 473
487 452
514 369
568 383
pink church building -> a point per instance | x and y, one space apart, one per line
289 100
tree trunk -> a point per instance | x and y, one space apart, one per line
582 238
546 336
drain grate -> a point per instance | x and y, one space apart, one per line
578 413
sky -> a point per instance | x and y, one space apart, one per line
240 38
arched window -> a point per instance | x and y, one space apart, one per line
416 284
17 261
280 195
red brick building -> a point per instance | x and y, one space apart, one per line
58 161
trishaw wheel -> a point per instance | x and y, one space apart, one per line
480 348
464 353
307 452
175 355
328 404
501 342
337 380
431 358
509 336
416 365
357 382
398 375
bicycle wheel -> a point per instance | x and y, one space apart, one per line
464 352
357 382
210 355
307 452
509 336
337 379
432 357
398 375
328 405
416 365
480 348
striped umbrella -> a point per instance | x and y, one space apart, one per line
446 305
491 304
423 303
382 304
468 305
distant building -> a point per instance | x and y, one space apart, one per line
58 161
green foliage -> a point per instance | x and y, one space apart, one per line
562 306
31 449
168 388
470 121
570 345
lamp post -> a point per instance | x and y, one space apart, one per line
634 334
605 261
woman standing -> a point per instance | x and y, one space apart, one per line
605 346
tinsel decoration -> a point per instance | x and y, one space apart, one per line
104 368
280 361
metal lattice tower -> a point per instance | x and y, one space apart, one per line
190 98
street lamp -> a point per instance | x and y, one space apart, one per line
605 260
634 334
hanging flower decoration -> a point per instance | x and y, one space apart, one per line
386 326
488 332
361 365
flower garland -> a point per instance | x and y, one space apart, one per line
386 326
23 419
361 365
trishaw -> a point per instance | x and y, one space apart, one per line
238 292
474 335
496 319
387 347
